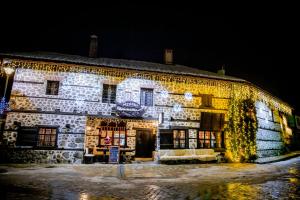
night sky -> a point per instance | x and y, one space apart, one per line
259 45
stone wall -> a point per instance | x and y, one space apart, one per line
83 93
77 123
79 102
13 155
268 138
68 140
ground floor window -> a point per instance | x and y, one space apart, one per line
112 134
210 139
37 136
47 137
27 136
179 139
166 139
190 138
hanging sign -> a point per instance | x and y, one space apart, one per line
130 109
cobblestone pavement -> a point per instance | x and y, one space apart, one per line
279 180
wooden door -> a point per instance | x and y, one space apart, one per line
144 143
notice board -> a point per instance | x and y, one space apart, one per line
114 152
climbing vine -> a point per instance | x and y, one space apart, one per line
241 130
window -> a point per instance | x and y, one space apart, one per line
166 139
207 100
52 87
37 137
47 137
179 138
146 97
109 93
212 121
27 136
210 139
115 131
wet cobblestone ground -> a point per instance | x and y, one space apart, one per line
279 180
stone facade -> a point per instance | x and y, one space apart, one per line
78 109
269 135
40 156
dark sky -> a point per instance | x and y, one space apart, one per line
259 45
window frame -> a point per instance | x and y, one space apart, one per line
110 99
168 135
222 142
186 145
38 136
19 133
104 132
48 92
142 92
208 101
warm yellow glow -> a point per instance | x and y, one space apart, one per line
84 196
196 85
8 70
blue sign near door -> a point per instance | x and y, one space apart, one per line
114 152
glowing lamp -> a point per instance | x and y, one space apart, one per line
188 96
8 70
177 108
164 94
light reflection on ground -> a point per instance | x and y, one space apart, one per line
151 181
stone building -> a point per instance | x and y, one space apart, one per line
62 104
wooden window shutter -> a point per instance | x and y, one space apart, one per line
205 121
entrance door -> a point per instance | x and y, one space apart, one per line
144 143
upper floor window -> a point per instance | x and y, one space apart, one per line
109 93
212 121
52 87
146 97
207 100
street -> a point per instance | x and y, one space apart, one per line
152 181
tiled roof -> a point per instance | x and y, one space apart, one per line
120 63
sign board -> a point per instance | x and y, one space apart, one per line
114 152
129 109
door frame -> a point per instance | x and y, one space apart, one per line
152 136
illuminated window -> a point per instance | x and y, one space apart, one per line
109 93
116 133
47 137
146 97
210 139
52 87
179 138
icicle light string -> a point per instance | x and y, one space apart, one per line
203 85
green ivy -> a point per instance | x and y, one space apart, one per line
241 130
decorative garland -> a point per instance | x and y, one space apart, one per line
241 130
213 86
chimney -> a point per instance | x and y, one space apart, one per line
93 46
221 71
168 57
